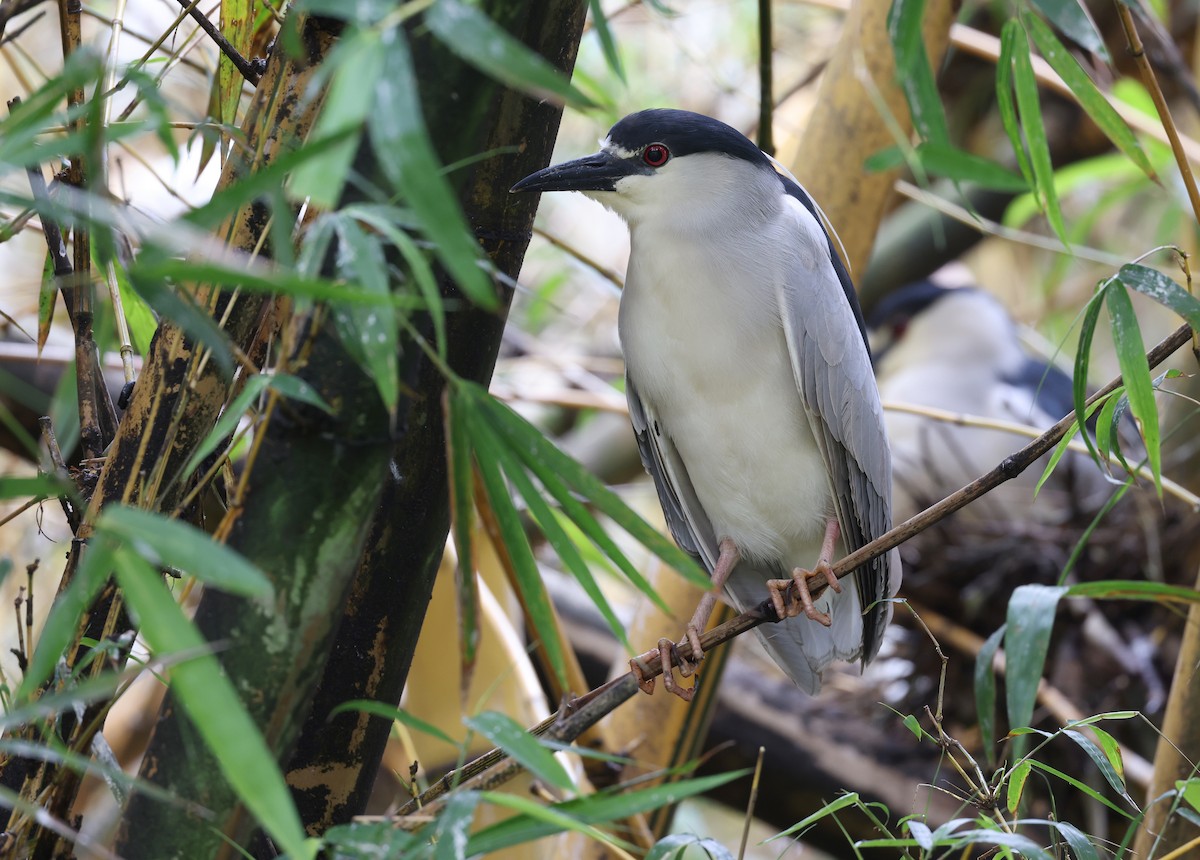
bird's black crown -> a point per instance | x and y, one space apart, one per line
684 133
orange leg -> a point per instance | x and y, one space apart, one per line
777 588
667 651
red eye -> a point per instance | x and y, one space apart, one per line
656 155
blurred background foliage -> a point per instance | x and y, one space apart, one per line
310 420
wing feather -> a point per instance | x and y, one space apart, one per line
837 386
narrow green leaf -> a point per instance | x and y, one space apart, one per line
563 546
1084 787
914 72
237 25
831 808
47 299
477 40
1189 789
228 422
387 220
1134 589
985 692
39 486
593 809
1030 621
396 713
213 706
362 840
369 333
944 159
462 510
1080 844
675 846
1135 373
510 736
453 826
1094 103
608 44
1163 290
1102 761
1009 36
1030 109
1016 784
68 607
1073 19
542 457
402 145
1064 444
179 545
1026 846
1106 423
141 320
295 388
357 63
529 580
920 833
1083 355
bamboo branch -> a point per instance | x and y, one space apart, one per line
244 66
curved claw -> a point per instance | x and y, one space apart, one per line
670 656
639 669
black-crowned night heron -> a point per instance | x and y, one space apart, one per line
959 351
749 381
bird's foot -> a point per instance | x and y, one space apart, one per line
669 657
777 589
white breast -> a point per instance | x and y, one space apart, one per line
704 342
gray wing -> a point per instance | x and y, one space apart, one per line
832 367
684 514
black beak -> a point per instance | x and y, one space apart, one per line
598 172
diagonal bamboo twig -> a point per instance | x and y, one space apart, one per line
494 768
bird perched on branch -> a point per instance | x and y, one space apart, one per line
749 383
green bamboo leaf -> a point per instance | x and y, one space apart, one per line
488 454
362 840
1080 844
1135 373
1163 290
831 808
1094 103
542 456
388 220
914 72
228 422
453 826
295 388
944 159
1190 790
1134 589
213 706
507 734
1030 621
1023 844
182 310
1016 784
1030 110
563 546
462 515
61 624
402 145
47 299
608 43
920 833
985 692
1009 37
675 846
237 25
398 714
357 63
1083 354
1085 788
33 486
1063 444
593 809
1073 19
176 544
477 40
369 333
1107 422
1100 758
141 320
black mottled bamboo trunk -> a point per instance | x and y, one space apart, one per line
336 761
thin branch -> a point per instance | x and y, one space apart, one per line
766 85
12 8
1150 80
241 63
493 767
